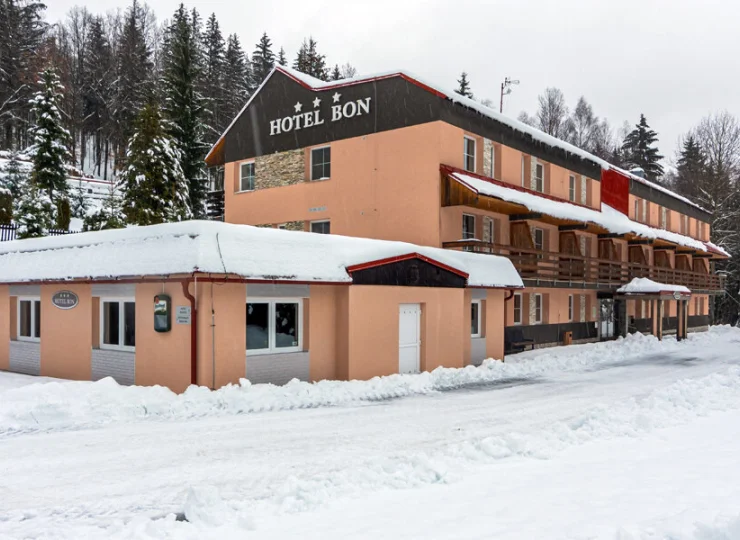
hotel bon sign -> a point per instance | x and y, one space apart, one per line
65 299
315 117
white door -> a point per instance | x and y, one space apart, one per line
409 338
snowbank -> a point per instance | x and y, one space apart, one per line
64 405
225 248
648 286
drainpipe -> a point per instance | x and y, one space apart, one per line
193 331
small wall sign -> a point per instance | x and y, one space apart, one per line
65 300
182 315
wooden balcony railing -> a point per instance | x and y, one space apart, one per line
555 266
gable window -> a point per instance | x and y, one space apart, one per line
246 176
539 178
537 308
468 227
570 307
517 308
274 326
475 309
29 319
469 154
321 227
118 324
572 188
321 163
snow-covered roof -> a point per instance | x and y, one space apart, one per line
609 218
658 187
648 286
225 248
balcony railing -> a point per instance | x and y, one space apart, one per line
563 267
215 205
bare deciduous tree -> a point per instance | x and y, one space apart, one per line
552 115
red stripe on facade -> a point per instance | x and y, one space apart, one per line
399 258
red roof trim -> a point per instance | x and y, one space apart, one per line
398 258
449 170
341 84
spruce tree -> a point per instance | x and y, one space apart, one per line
282 59
213 88
301 62
153 185
184 107
237 79
109 216
78 202
463 87
263 59
49 141
335 73
13 176
640 150
310 61
34 213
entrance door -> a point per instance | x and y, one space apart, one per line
606 318
409 338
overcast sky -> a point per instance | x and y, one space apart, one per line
675 61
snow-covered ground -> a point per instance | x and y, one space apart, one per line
633 439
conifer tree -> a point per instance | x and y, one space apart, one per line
109 216
153 184
640 150
309 61
335 73
213 78
237 79
263 60
34 213
13 177
690 169
282 59
184 108
49 141
463 87
78 202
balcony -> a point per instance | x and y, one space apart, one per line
551 267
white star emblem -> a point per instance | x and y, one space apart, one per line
298 107
336 97
316 102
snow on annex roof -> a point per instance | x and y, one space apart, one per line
648 286
225 248
609 218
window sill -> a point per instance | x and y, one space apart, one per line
273 352
244 191
29 339
319 179
117 348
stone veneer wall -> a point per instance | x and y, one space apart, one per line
279 169
295 226
488 166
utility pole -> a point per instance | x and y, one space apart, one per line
505 91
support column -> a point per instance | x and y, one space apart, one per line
620 307
659 311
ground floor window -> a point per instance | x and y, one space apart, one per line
118 324
29 319
517 308
274 326
475 310
537 308
321 227
570 307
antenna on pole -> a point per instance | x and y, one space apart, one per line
506 90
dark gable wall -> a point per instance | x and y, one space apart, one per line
395 103
638 189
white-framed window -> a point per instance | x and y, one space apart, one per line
475 318
537 309
246 176
493 161
321 227
469 154
274 325
570 307
468 227
29 318
539 177
517 308
524 172
538 238
321 163
118 324
572 188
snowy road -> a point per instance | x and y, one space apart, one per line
637 439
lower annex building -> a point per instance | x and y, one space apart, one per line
393 157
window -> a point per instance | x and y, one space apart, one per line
489 230
29 319
247 177
321 227
517 308
539 178
572 188
118 324
468 227
537 308
469 154
274 326
492 172
321 163
538 239
283 226
475 309
570 307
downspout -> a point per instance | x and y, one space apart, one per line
193 331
